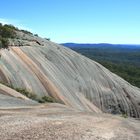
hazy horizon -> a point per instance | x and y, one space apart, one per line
98 43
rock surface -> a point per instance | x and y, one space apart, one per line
11 98
46 68
57 122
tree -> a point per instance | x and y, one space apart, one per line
3 42
6 31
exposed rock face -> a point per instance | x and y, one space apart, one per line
10 98
46 68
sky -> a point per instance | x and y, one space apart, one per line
79 21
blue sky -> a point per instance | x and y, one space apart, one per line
81 21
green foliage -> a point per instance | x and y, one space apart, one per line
10 26
48 39
6 31
26 32
118 55
47 99
124 115
31 95
3 42
26 93
129 72
36 35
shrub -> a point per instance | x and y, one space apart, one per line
36 35
26 93
10 26
48 39
47 99
31 95
26 32
3 42
124 115
7 31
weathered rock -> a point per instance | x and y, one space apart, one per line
10 98
46 68
55 122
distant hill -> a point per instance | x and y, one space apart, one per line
104 45
129 54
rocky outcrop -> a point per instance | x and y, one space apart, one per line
46 68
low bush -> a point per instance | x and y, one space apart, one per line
36 35
26 32
45 99
31 95
3 42
6 31
27 93
124 115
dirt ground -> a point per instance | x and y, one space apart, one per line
57 122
